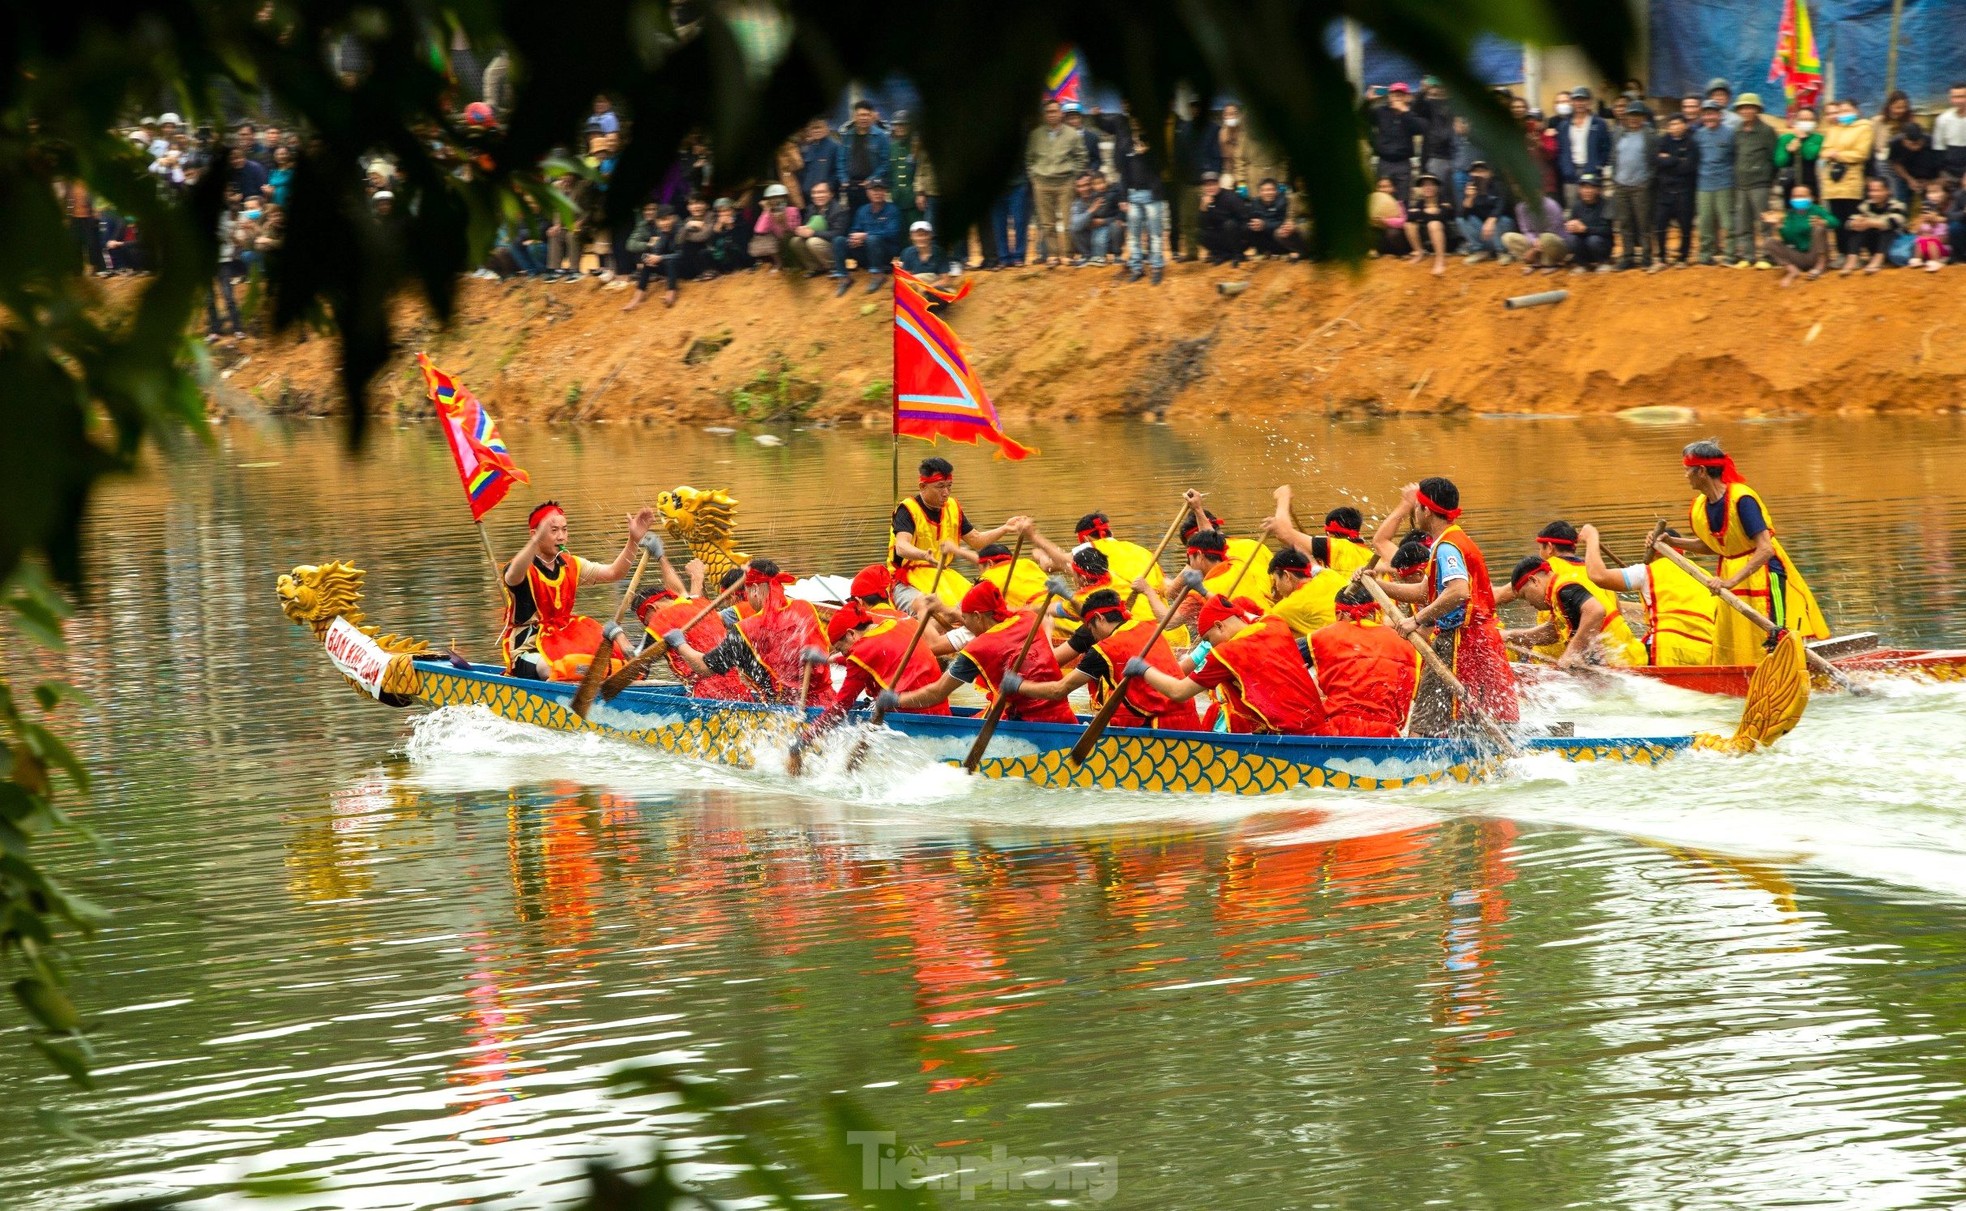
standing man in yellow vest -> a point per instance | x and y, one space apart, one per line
1731 520
1678 609
925 526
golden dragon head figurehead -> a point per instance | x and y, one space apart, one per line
705 522
314 595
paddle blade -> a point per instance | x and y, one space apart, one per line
590 682
1777 695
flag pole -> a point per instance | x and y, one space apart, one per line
498 572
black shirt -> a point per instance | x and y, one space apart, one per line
733 654
904 521
1570 599
1091 663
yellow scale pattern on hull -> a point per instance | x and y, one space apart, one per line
1134 763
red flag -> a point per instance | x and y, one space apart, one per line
1796 65
936 393
483 466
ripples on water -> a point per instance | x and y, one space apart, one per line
401 957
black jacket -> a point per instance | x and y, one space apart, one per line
1140 170
1675 164
1274 214
1393 132
1229 213
1595 216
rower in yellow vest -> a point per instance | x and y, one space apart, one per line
1583 618
1678 609
1215 556
1239 550
928 524
1557 543
1339 548
1021 584
1731 520
1129 561
1305 594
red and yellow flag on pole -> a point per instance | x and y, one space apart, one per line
1796 65
936 393
484 466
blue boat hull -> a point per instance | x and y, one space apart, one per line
1124 759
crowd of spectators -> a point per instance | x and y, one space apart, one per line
1627 183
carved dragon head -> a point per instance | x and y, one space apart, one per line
705 522
314 595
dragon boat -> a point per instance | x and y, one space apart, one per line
397 671
1925 664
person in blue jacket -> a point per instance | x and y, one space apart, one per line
873 240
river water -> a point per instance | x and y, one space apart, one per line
400 954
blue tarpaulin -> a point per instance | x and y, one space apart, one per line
1494 60
1696 40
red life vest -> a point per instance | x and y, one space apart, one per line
1367 675
1481 661
878 653
704 636
1143 705
778 636
1270 690
565 641
992 652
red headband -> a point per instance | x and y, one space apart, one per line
753 576
1426 502
1724 464
1098 529
1364 609
1339 531
1093 579
937 478
1558 542
991 561
1221 554
540 514
1115 611
1526 577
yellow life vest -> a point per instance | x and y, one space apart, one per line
930 536
1022 583
1128 561
1256 585
1681 613
1347 555
1736 641
1311 606
1615 642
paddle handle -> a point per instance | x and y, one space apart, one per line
1153 561
1821 665
1438 668
1002 704
628 673
1111 706
590 681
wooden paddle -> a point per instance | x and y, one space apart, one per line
1153 562
859 753
631 672
1837 676
1190 580
809 659
597 667
992 716
1587 672
1439 669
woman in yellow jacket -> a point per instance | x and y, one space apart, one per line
1847 144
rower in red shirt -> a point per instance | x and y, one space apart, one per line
770 646
872 649
1253 658
1365 671
984 661
1107 641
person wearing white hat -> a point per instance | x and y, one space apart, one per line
920 256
